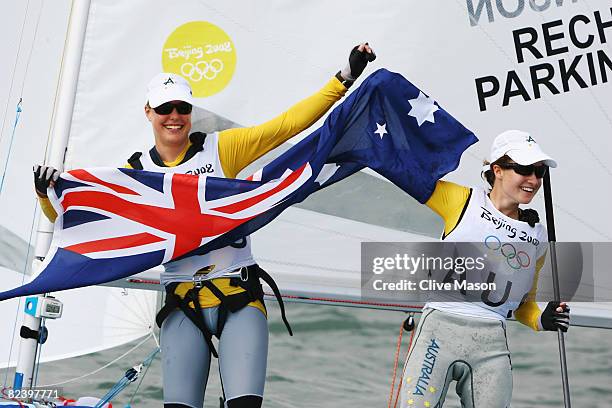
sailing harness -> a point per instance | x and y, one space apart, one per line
246 277
248 280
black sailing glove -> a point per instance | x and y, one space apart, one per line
552 320
43 176
356 64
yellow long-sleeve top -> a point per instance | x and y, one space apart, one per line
449 201
240 147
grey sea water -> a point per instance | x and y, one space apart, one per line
343 357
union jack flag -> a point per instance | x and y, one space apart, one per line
120 212
114 223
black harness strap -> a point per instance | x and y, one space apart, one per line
254 291
197 140
135 162
249 281
265 276
174 301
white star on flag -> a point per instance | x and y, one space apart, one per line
381 130
423 108
328 170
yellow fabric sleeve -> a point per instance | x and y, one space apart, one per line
529 312
47 208
448 201
240 147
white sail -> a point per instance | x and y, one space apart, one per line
284 53
94 319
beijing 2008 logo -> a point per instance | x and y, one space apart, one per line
203 54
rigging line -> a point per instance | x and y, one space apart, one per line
8 156
8 361
148 362
98 369
399 388
25 268
25 76
395 364
545 100
25 17
155 338
18 114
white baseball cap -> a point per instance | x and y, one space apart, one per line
520 147
166 87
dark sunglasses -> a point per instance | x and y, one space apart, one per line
539 171
183 108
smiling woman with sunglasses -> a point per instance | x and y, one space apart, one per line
517 166
461 336
219 293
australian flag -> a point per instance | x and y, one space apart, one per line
113 223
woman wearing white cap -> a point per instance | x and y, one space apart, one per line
230 306
465 341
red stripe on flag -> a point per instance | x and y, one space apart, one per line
110 244
234 208
87 176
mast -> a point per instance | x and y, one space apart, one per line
60 129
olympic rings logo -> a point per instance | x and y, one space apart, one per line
515 259
202 70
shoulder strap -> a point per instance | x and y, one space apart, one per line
530 216
135 162
197 140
